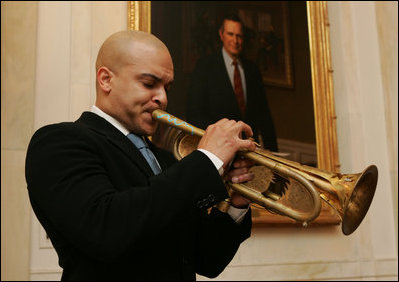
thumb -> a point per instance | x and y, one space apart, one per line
247 144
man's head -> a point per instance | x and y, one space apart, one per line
231 34
134 70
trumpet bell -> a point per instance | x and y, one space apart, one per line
185 144
360 200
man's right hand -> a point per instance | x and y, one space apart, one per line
223 139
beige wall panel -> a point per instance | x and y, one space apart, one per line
15 217
387 26
53 60
18 46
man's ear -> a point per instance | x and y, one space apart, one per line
104 76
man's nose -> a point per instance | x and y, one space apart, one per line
161 97
237 39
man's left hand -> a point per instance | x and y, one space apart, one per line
239 173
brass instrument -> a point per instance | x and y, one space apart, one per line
349 194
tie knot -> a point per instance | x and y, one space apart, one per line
138 141
235 62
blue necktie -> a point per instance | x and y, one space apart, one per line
145 151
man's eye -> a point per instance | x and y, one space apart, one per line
148 84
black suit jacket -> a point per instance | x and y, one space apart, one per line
211 97
110 218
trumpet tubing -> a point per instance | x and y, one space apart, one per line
349 194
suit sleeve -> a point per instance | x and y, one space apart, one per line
219 241
73 197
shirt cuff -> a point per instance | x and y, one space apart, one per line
215 160
237 214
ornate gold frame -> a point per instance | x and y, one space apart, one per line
139 15
139 18
323 95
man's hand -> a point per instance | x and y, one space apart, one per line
223 139
239 173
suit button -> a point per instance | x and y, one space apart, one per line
202 203
211 198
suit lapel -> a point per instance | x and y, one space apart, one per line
223 71
114 136
249 84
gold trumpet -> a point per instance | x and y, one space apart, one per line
349 194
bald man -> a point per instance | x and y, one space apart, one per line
117 211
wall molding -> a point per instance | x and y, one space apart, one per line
301 152
385 269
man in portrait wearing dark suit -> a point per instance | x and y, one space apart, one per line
118 208
225 84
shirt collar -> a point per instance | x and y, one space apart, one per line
227 59
111 120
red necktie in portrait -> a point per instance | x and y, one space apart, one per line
238 90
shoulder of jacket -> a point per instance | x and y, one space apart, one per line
209 59
59 131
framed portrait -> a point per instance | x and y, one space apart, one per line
195 34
